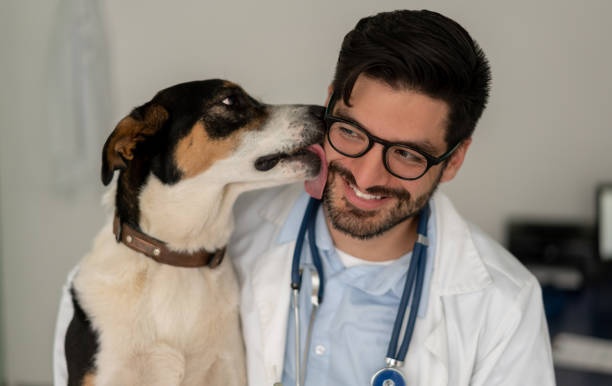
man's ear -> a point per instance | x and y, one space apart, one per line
455 161
142 123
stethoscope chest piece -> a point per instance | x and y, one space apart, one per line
388 376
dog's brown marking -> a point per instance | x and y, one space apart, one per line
88 380
120 146
196 152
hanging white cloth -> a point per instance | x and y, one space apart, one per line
78 95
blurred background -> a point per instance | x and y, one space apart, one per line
71 69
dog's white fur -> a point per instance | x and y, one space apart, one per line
165 325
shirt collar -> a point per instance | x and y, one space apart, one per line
385 278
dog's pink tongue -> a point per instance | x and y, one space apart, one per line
315 186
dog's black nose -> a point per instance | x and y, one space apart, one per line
317 111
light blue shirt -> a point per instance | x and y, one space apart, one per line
353 324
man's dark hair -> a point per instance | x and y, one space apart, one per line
422 51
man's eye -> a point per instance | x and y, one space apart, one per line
406 155
348 132
402 153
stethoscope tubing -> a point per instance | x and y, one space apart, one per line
416 269
412 288
296 277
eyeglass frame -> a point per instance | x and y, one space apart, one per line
431 160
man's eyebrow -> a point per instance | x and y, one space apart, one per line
424 146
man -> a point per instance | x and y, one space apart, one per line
408 90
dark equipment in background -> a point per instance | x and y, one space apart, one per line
573 262
604 222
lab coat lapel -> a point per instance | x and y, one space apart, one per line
271 289
437 346
458 269
272 294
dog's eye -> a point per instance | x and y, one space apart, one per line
228 101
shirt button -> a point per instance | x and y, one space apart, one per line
320 349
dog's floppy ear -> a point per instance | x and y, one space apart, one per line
142 123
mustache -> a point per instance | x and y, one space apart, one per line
335 167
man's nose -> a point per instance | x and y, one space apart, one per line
369 169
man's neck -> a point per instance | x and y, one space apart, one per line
391 245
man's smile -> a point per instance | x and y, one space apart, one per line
363 195
361 199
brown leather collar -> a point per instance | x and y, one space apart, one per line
158 251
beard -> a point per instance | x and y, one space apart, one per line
364 224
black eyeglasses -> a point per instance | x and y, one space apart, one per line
402 161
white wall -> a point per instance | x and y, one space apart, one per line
539 150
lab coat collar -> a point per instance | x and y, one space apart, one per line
278 208
291 224
459 268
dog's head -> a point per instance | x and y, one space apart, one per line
210 130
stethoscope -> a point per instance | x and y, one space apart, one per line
390 375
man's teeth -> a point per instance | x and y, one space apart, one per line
363 195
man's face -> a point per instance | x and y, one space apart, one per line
362 198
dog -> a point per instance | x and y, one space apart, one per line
155 302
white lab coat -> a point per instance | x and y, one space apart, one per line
484 325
